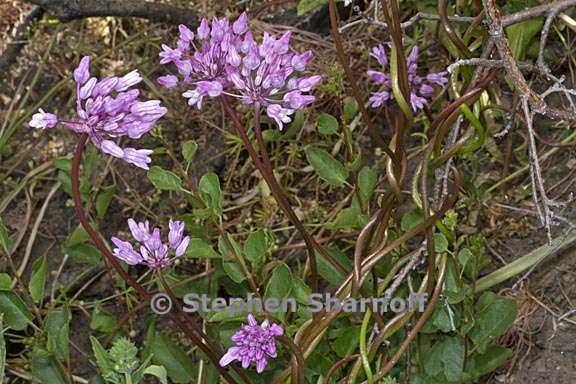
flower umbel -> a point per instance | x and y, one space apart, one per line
227 60
421 87
152 252
106 110
253 344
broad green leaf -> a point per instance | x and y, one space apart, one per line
347 342
367 180
233 271
328 168
63 164
350 108
103 200
38 279
57 326
211 193
78 236
493 318
280 283
300 290
172 357
45 368
163 179
189 149
256 247
440 243
410 219
328 271
102 320
16 314
479 365
453 358
84 254
327 124
522 35
348 218
200 249
5 282
305 6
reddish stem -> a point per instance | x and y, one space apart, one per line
197 334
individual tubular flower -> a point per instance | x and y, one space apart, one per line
106 110
201 58
421 87
152 252
254 343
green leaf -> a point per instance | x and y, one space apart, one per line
63 164
159 372
440 243
348 218
78 236
5 282
521 36
57 326
327 124
233 271
104 362
350 108
367 180
189 149
347 342
328 271
84 254
5 241
2 349
328 168
410 219
198 248
16 314
300 290
256 247
45 368
38 279
103 200
479 365
211 193
173 358
163 179
453 358
280 283
102 320
493 318
305 6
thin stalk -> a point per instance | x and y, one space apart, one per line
99 243
281 198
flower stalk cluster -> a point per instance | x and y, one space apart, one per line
153 253
254 342
421 87
106 110
224 58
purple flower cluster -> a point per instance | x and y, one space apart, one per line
106 110
153 252
253 343
225 59
421 88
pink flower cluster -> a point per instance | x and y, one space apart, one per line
223 58
153 252
106 110
421 88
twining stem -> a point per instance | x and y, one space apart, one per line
276 190
197 334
